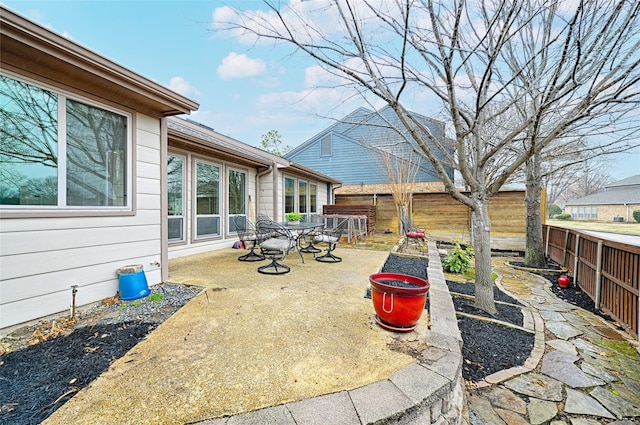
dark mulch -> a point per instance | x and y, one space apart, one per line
37 379
487 347
573 294
414 266
469 289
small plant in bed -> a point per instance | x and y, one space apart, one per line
459 259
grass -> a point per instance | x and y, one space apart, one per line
630 228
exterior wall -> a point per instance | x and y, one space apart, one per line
40 258
352 161
226 239
604 212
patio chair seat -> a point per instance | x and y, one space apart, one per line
274 244
332 238
276 247
326 239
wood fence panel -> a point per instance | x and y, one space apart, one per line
616 281
620 291
508 213
440 213
587 262
386 215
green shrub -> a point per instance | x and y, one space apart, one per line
636 215
563 216
553 210
458 260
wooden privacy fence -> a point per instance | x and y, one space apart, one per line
438 212
607 271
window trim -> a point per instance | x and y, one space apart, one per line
228 214
194 201
326 144
31 211
184 198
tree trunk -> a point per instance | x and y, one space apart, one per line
534 249
482 248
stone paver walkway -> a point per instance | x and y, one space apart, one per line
582 370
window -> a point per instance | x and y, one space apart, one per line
207 208
302 197
313 198
175 194
237 197
289 195
325 146
57 151
574 212
580 212
594 212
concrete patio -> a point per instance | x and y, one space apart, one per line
250 341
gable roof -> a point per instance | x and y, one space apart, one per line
629 181
361 117
626 191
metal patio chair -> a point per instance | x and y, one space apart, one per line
413 234
277 244
248 234
332 238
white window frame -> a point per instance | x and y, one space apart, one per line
62 97
230 216
182 216
326 145
311 209
196 216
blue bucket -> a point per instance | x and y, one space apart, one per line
133 286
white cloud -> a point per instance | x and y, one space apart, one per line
240 66
182 86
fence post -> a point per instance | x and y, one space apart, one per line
598 275
575 259
546 248
564 253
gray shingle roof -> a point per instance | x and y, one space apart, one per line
629 181
625 191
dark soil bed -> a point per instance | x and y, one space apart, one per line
487 347
35 380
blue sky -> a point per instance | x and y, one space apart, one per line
243 91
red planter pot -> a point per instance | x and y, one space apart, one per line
398 308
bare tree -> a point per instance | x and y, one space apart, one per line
401 166
470 58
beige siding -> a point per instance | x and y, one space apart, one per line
40 258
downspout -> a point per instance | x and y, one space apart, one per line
258 176
276 184
164 202
331 191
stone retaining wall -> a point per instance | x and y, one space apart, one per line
434 384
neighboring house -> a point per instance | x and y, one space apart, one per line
349 150
616 203
95 176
